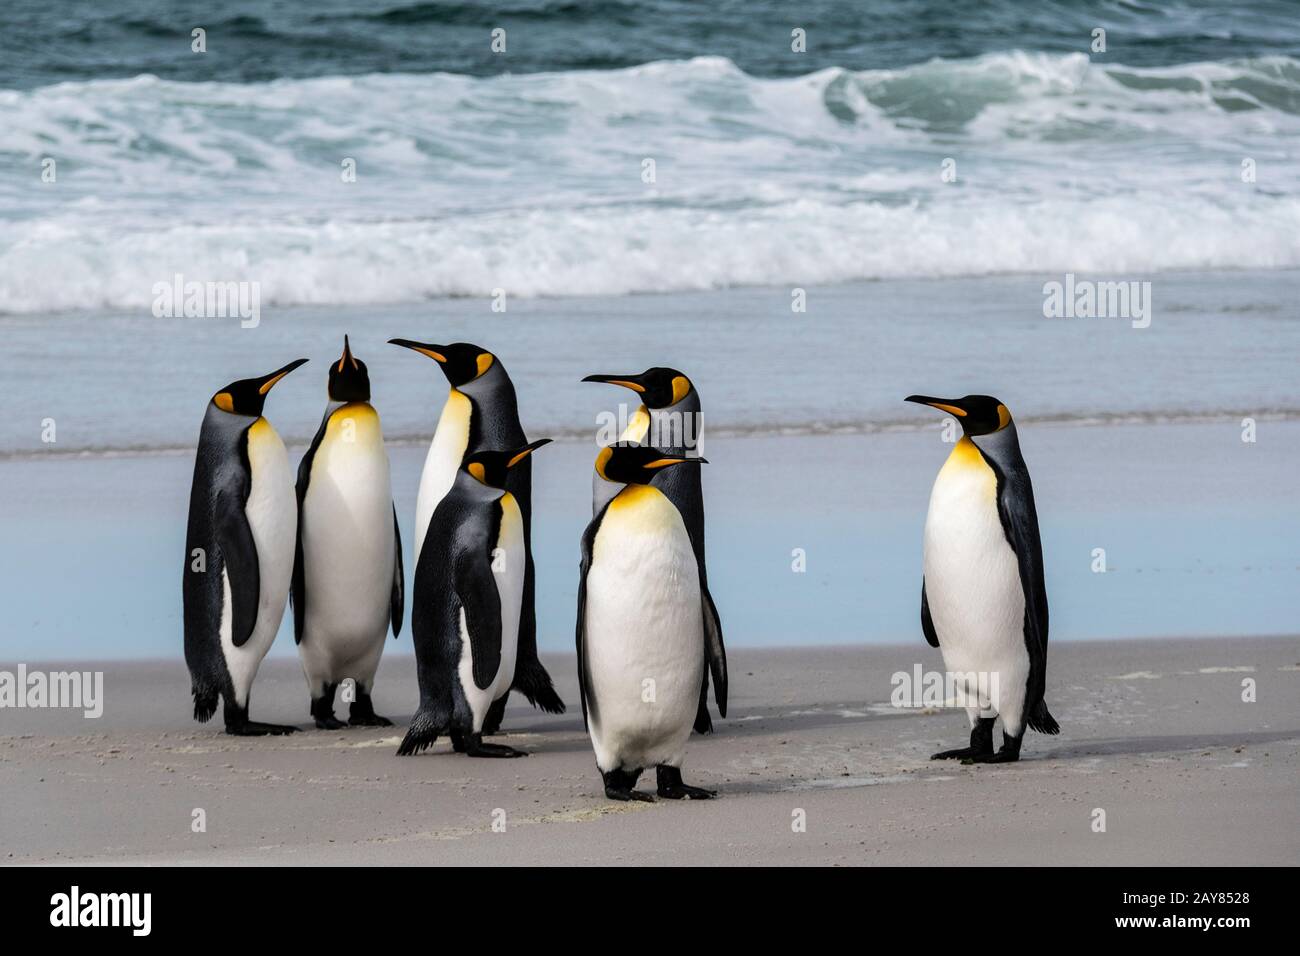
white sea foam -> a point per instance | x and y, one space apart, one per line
533 183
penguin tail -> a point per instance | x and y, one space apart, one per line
425 727
533 682
1042 721
205 700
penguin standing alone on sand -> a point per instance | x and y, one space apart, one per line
347 574
983 600
670 418
641 628
466 609
239 547
482 414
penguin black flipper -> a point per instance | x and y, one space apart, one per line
927 624
531 678
397 601
588 542
298 585
715 654
239 554
476 593
1020 525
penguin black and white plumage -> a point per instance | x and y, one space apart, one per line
482 414
983 598
670 418
467 605
347 575
641 627
239 547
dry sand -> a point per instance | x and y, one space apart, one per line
1155 733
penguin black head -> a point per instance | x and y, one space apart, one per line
637 464
978 414
349 380
248 395
490 467
461 362
658 387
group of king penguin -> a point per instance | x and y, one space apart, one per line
648 635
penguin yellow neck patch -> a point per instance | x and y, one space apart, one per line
355 421
634 497
637 427
966 455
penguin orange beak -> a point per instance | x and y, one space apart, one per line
948 405
435 352
521 453
669 460
626 381
267 382
347 354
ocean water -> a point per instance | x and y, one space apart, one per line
526 171
1171 158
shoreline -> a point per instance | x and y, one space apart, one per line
1153 732
864 429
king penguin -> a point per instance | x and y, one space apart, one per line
670 418
239 547
467 606
983 600
347 573
482 414
641 628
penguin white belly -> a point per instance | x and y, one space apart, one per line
272 511
508 573
972 582
348 549
644 635
440 465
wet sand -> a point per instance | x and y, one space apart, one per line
1154 732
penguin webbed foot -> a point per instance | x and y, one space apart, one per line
669 785
368 720
238 724
620 784
981 743
254 728
1009 752
471 745
961 753
322 710
362 713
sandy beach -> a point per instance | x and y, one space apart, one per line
1154 732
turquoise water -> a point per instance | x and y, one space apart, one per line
1200 532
